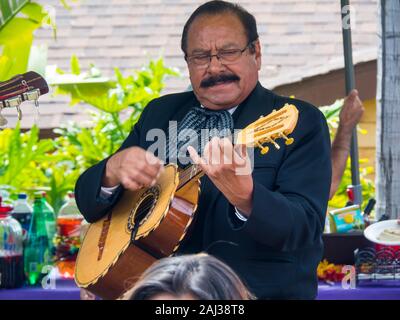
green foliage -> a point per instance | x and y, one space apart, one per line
368 187
9 10
16 35
331 114
66 5
28 164
118 104
21 154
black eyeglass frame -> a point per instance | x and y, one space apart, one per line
249 45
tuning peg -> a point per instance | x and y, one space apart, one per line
13 102
277 146
264 149
3 121
288 141
32 95
19 112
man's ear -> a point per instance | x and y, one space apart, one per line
257 48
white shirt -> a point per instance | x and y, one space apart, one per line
107 192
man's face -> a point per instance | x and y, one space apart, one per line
220 85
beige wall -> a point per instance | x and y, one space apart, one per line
366 142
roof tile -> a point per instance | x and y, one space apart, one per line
298 38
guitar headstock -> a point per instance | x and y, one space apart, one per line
22 87
278 124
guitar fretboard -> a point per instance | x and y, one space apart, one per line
189 173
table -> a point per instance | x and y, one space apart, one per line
67 290
63 290
383 290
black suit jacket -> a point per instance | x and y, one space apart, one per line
276 252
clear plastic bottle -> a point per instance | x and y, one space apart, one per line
69 218
67 241
22 212
11 250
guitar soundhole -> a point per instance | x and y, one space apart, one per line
145 206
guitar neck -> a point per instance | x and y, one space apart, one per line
191 172
276 125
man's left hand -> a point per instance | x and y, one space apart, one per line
229 168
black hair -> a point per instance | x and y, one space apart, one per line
217 7
200 275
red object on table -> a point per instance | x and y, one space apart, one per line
350 193
379 247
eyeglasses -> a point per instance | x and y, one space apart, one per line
224 56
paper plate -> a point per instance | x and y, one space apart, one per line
374 230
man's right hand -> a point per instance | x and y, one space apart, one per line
134 168
351 112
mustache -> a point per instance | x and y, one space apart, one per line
213 80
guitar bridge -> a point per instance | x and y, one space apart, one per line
103 236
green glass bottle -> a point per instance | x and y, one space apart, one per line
50 218
37 248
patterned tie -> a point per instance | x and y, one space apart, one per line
218 122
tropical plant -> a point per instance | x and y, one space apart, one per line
28 164
18 21
118 104
340 199
20 156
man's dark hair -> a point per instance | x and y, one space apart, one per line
217 7
202 276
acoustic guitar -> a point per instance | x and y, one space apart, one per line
23 87
151 223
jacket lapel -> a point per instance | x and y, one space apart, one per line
182 111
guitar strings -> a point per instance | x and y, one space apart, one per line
28 81
10 81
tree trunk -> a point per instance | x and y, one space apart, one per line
388 111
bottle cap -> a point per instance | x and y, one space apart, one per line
5 210
22 196
38 195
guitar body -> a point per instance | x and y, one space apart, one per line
109 263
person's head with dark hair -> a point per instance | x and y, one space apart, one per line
189 277
221 47
219 7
